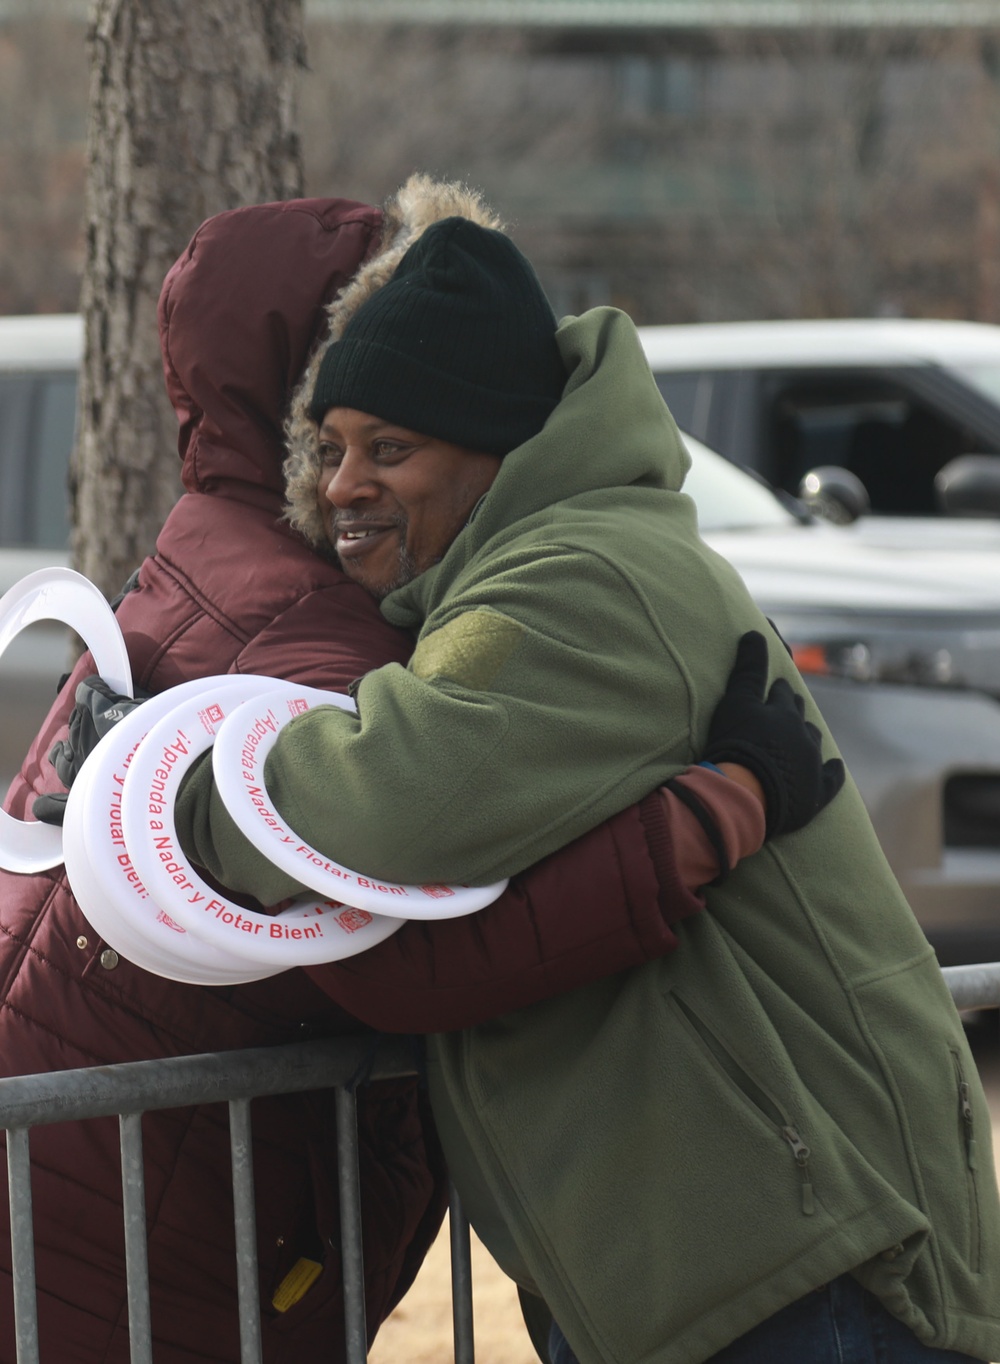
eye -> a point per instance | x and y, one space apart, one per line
390 451
330 455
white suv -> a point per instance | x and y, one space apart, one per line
39 361
894 620
891 401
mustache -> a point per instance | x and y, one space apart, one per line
353 519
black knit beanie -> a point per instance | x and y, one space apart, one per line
458 345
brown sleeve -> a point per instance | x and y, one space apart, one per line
603 904
737 814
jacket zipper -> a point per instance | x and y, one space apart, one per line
971 1159
767 1106
801 1153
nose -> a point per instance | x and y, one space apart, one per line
351 482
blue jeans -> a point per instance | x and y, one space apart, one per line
837 1324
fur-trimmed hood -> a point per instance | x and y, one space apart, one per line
239 313
420 202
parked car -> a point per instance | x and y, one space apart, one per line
39 360
891 401
894 622
895 626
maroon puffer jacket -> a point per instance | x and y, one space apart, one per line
231 588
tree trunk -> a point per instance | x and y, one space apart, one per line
192 111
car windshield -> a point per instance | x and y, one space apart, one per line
983 377
728 498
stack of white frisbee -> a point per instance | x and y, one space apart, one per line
119 843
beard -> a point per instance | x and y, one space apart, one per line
405 568
406 571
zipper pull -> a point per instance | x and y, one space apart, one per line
970 1140
801 1153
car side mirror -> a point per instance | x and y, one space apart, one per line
969 486
835 494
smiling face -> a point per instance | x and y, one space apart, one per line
393 500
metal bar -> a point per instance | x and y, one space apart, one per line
461 1281
974 987
22 1247
669 14
140 1333
217 1077
245 1212
182 1081
665 14
352 1267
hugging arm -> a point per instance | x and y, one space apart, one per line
602 904
605 902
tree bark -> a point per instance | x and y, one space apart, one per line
192 111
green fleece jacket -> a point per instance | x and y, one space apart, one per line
671 1155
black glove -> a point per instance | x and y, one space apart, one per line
771 737
98 709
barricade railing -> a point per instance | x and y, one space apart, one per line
236 1078
974 987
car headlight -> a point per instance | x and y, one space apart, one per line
925 653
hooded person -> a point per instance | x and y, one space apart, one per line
770 1130
229 588
232 587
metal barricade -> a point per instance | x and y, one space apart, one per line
974 987
236 1077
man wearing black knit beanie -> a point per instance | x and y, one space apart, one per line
731 1153
456 358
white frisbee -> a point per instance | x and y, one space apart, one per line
125 916
57 594
103 879
312 931
241 748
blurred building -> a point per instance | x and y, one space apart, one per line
695 159
684 159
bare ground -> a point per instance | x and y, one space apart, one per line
420 1331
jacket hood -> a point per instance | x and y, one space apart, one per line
611 432
239 314
420 202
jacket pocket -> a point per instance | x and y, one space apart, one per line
759 1098
940 1109
969 1137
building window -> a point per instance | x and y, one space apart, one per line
649 86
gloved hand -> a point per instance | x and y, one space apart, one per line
98 709
770 736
